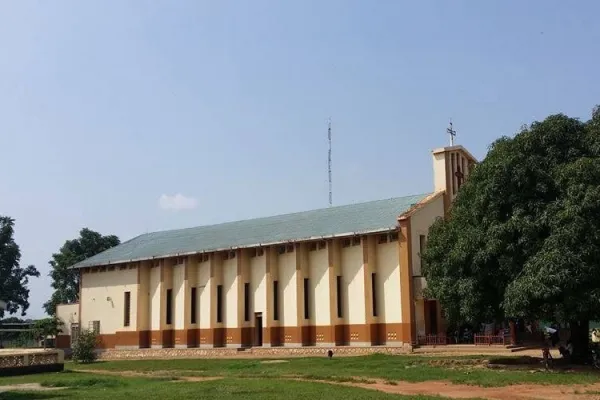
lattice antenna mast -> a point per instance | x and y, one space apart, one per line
452 133
329 164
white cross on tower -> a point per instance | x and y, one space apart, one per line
452 133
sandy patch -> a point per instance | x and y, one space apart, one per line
274 361
27 387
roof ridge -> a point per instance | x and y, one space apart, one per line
285 214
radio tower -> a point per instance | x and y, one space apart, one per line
329 164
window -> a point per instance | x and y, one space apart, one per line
256 252
96 327
219 303
275 300
289 248
394 237
127 311
246 302
169 302
74 332
374 292
382 239
313 246
355 241
204 257
193 299
422 243
281 250
453 163
230 255
306 302
339 297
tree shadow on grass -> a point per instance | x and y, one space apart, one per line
22 395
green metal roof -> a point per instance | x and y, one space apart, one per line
380 215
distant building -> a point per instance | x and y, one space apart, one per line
345 275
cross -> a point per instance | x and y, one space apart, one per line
459 176
452 133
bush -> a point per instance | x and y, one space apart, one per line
84 347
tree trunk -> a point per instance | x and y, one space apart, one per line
513 332
580 339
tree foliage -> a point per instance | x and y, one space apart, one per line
522 238
45 327
84 348
65 281
13 278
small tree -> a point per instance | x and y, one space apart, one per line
84 347
43 328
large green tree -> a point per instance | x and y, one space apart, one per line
522 239
65 281
13 278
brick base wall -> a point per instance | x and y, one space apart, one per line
248 353
301 336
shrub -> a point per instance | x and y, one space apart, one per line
84 347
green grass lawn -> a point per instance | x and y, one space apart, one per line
88 386
405 368
254 379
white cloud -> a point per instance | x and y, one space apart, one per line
177 202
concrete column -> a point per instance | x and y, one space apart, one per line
406 284
338 329
167 330
303 334
216 279
143 304
271 334
243 273
372 334
157 303
185 331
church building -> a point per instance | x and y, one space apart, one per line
340 276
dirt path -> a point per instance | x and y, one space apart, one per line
514 392
431 388
29 387
152 374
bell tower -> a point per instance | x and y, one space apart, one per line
451 167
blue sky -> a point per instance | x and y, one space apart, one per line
105 106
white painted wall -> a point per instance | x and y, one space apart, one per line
439 171
353 278
420 317
102 299
230 281
319 286
67 314
419 224
287 282
258 283
179 294
388 283
203 294
155 299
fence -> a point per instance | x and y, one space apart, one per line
432 340
489 340
18 335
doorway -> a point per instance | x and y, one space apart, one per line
258 329
432 316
